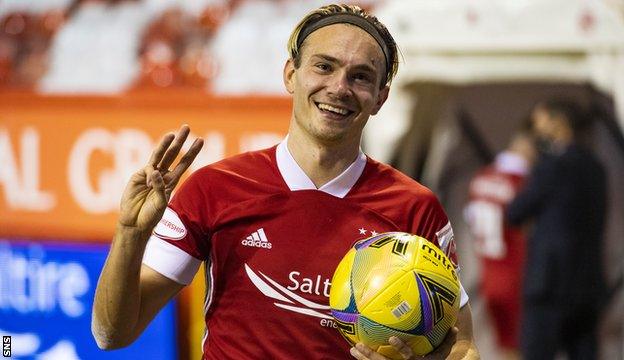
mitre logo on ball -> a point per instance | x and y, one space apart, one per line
395 284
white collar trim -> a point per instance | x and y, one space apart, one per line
296 178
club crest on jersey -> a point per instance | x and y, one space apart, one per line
170 227
257 239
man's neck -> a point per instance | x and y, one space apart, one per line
321 162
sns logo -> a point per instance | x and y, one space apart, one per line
6 346
257 239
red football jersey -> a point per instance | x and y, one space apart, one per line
271 242
502 246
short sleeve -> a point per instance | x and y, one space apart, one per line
170 261
179 242
430 221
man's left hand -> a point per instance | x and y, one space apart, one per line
448 349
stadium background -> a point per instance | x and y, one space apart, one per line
88 86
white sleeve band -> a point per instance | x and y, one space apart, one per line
170 261
463 296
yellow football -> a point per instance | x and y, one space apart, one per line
395 284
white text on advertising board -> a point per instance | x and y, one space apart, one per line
94 193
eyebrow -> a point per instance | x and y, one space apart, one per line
365 67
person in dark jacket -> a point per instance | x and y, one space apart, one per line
565 196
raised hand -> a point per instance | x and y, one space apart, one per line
148 191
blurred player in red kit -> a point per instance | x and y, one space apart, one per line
500 245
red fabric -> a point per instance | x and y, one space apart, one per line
309 232
501 277
506 318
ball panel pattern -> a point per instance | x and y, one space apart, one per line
395 284
341 284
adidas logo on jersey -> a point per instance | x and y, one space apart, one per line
257 239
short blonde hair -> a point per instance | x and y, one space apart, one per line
295 44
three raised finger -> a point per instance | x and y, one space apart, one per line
174 148
187 159
160 150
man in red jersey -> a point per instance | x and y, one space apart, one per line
501 246
272 225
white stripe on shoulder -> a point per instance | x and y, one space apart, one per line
170 261
445 237
463 295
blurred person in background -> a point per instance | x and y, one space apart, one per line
565 195
25 39
500 245
173 51
255 217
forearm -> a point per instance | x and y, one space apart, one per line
117 302
464 347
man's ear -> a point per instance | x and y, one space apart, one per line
289 74
381 99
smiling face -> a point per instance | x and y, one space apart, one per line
337 85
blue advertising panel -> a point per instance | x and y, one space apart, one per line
46 295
